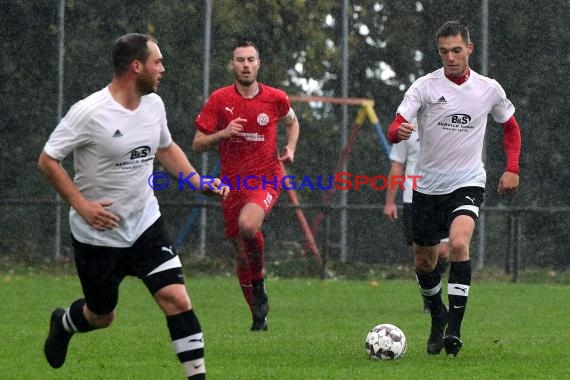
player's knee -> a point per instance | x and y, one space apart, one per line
241 262
101 321
247 229
256 256
458 247
425 259
173 302
424 264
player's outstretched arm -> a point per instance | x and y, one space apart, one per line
216 187
176 162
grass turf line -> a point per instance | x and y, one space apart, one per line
317 331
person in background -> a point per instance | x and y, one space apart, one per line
242 121
405 155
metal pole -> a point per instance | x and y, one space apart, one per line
344 107
205 91
484 71
517 250
57 238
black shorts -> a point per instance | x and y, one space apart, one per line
432 214
102 269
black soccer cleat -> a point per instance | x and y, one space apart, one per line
259 325
260 306
452 344
55 347
435 340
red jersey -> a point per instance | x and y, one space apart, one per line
254 151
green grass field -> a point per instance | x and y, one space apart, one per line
317 331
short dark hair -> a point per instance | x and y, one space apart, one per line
128 48
244 41
453 28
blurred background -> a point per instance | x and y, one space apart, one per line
56 52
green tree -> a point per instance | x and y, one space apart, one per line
391 44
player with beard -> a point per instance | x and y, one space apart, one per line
242 120
117 229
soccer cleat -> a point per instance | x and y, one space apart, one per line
452 344
435 340
260 306
259 325
55 347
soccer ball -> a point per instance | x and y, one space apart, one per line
386 342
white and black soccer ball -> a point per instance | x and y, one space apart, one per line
386 342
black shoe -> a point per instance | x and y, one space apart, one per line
435 341
55 347
452 344
259 325
260 306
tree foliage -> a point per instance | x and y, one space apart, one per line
390 45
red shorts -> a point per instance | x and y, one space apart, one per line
235 201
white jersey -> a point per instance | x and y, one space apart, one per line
406 152
451 122
114 150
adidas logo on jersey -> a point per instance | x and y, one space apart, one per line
117 134
442 100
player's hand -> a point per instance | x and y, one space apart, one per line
391 211
508 184
234 128
287 155
97 216
216 187
405 131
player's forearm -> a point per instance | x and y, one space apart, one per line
60 180
292 132
512 144
391 191
177 164
392 133
390 195
203 142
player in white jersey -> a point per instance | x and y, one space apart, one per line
117 230
451 105
405 155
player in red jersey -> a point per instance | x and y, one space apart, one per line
242 120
